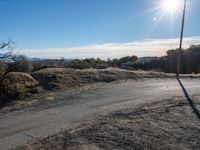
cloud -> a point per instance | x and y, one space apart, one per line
150 47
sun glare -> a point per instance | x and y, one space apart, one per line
171 6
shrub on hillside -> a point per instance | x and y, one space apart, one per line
79 64
16 85
2 68
101 66
21 64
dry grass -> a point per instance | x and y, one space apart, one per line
16 84
59 78
24 79
39 84
62 78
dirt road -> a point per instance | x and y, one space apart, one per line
20 126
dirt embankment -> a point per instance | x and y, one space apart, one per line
23 89
59 78
62 78
169 124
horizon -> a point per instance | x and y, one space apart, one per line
146 48
106 29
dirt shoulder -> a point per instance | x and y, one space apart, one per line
53 83
47 98
167 124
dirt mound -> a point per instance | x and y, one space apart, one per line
53 78
66 78
58 78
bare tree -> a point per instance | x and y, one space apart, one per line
6 55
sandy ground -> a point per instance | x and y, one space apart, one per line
168 124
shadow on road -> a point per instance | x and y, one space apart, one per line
5 101
190 101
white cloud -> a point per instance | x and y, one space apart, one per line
151 47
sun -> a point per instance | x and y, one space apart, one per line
170 6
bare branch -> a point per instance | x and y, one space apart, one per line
3 77
6 55
5 44
6 51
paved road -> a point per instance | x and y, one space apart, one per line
19 127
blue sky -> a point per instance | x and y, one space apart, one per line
67 25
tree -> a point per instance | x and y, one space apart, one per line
21 64
171 60
6 51
128 59
190 60
5 56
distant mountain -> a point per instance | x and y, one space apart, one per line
35 59
47 59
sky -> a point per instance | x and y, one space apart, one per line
95 28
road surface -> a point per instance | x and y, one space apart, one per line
24 125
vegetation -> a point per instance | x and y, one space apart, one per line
6 56
21 68
190 62
20 64
14 82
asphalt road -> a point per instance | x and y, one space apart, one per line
24 125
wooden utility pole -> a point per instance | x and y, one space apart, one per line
181 41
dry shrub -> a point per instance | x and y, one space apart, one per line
52 78
21 78
59 78
2 67
17 84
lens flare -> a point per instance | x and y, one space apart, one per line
171 6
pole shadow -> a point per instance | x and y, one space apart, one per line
190 101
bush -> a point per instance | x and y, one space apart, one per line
79 64
16 90
21 64
16 85
101 66
2 67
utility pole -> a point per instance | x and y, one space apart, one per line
181 41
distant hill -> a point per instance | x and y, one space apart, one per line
144 60
47 59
